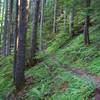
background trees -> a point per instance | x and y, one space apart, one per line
87 23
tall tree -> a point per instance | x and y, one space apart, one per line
9 26
2 20
65 19
41 24
19 77
87 21
71 22
16 35
33 48
5 30
54 18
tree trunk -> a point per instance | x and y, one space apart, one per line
41 25
86 26
33 49
16 36
65 19
9 16
55 13
71 23
11 25
19 77
5 30
2 14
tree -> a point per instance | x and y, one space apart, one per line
65 19
2 14
5 30
19 77
71 22
41 24
16 35
54 18
33 48
9 27
11 23
87 22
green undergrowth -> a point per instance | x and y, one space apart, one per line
53 82
50 81
76 54
58 42
6 85
57 84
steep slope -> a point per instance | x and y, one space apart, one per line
54 78
52 81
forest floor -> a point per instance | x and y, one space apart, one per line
63 86
84 73
68 71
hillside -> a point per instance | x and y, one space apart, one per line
62 71
49 49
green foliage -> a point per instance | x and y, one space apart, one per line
76 54
6 82
59 41
76 87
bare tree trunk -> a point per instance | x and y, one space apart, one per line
86 26
11 25
65 19
1 21
55 13
5 30
2 18
16 35
41 25
8 30
19 77
33 49
71 23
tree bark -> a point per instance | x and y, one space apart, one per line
11 24
2 14
41 25
5 30
16 36
9 27
33 49
71 23
65 19
19 77
54 19
86 26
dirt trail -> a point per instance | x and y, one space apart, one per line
75 71
82 73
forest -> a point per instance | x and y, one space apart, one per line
49 49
